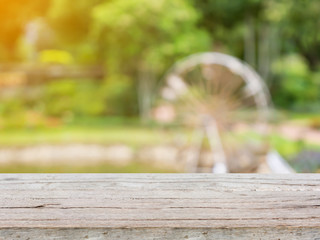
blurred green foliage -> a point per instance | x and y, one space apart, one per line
105 131
296 85
138 40
63 100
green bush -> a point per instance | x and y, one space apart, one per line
65 99
12 112
59 97
121 96
296 87
113 96
88 99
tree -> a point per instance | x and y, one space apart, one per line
298 22
141 38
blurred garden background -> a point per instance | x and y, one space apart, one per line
78 79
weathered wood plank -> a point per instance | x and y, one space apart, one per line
159 206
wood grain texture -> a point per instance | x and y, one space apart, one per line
159 206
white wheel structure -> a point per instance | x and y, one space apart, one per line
213 92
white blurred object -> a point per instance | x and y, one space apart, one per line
277 164
220 168
211 128
177 84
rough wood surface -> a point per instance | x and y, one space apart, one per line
159 206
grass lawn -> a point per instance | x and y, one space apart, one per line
130 135
97 168
118 132
303 119
110 132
